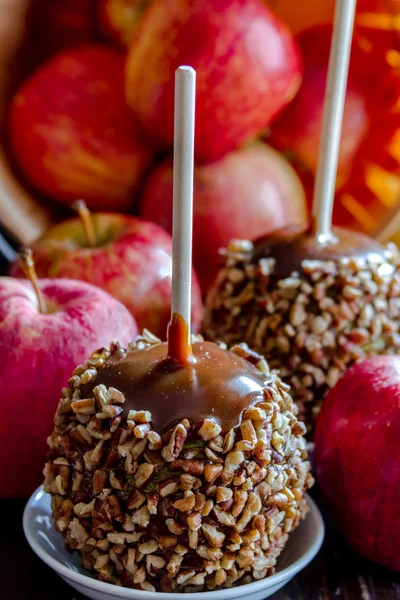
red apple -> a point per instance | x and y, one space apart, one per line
298 130
357 457
118 18
38 354
248 193
131 259
72 133
248 69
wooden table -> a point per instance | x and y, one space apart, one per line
335 574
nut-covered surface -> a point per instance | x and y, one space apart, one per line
312 325
188 508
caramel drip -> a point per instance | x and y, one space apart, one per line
179 346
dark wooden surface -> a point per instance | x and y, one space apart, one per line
335 574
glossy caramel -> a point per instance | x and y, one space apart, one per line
217 384
290 248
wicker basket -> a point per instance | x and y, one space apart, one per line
23 215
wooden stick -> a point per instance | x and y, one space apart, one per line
185 87
87 221
324 191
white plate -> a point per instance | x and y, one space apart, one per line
302 546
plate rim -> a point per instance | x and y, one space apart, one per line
131 594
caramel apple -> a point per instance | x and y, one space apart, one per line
311 308
314 302
178 467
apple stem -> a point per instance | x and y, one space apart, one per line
87 221
28 266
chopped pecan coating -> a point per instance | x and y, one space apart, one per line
311 325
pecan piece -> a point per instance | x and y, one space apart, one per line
186 503
144 474
214 537
223 494
224 518
141 431
115 396
229 441
240 499
194 521
139 416
152 502
154 564
175 444
116 509
194 467
167 541
141 517
148 547
252 507
84 407
209 430
212 472
168 486
174 527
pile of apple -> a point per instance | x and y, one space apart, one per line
94 121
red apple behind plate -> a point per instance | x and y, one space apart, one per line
73 134
357 457
38 354
248 68
248 193
129 257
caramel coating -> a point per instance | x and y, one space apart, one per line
217 384
290 247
